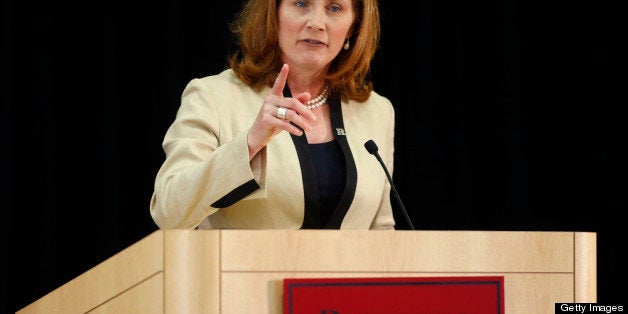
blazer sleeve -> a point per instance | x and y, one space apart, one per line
202 172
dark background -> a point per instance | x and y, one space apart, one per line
507 119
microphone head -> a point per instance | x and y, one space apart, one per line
370 146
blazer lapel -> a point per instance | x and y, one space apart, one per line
311 216
337 124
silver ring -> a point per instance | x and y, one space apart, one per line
281 113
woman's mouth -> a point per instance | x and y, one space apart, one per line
314 42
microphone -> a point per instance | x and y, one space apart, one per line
371 147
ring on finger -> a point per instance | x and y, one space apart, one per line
281 113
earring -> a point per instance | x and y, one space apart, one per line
347 45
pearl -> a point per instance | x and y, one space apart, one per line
319 100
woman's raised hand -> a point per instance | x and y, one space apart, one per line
277 113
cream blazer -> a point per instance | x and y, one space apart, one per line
207 181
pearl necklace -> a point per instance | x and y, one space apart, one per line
319 100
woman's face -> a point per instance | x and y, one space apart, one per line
312 32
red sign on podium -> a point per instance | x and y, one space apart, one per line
394 295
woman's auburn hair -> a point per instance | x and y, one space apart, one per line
258 60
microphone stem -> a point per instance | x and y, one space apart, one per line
403 208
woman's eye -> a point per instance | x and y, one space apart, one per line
335 8
300 4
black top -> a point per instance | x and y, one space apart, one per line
329 166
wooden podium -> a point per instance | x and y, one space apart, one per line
242 271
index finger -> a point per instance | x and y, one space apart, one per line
280 81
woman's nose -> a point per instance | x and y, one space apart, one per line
316 19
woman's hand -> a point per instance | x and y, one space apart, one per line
276 114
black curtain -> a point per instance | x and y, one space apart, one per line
507 119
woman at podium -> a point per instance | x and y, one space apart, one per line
275 141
